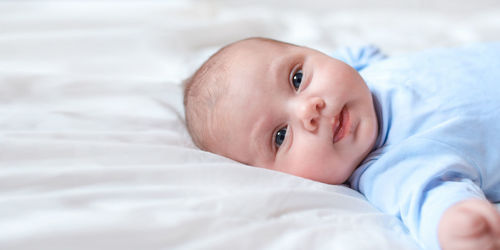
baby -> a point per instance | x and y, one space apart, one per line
417 135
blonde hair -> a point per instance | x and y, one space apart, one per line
202 92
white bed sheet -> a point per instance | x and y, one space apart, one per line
93 149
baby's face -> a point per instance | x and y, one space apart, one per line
295 110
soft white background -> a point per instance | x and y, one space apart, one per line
93 149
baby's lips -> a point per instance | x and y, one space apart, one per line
340 128
336 124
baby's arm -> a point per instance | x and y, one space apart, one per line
470 224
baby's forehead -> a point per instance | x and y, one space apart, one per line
248 56
237 106
241 61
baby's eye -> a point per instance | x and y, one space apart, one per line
280 137
297 79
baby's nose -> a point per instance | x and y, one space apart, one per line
310 112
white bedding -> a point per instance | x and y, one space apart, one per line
93 149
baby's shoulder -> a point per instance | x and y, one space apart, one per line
436 59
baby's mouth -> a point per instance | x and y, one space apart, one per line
341 125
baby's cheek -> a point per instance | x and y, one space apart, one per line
308 162
310 169
295 164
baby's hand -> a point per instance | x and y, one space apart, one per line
470 224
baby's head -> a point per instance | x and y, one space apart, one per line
283 107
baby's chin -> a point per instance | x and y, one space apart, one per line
334 180
349 170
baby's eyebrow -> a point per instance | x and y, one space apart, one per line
279 65
282 66
260 144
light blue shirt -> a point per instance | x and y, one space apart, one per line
439 134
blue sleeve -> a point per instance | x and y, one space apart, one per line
440 196
416 182
359 57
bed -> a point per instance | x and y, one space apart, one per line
94 153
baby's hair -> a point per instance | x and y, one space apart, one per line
201 93
204 89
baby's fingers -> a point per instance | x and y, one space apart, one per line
489 212
492 219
